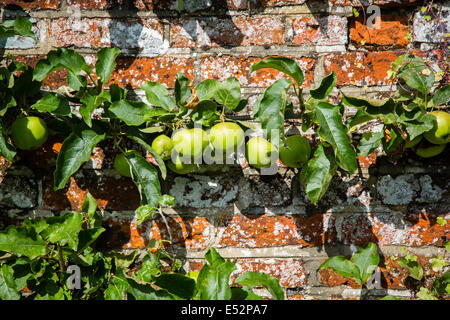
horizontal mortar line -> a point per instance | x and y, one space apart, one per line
304 253
344 291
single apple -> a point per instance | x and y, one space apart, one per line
295 152
259 152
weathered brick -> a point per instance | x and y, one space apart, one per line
134 72
392 32
360 68
289 272
122 234
187 232
32 5
110 193
367 161
55 80
387 229
322 30
143 35
94 4
232 31
18 192
255 231
190 5
275 3
431 30
357 3
225 66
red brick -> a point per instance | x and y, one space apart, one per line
32 5
99 33
121 233
225 66
234 31
171 5
94 4
322 30
274 3
360 68
289 272
255 231
392 32
388 229
55 80
187 232
357 3
367 161
134 72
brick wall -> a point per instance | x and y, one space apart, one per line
264 223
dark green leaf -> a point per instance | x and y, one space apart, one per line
64 229
343 267
285 65
206 89
177 284
205 113
106 63
76 150
441 96
325 88
146 179
334 132
134 113
254 279
91 101
410 262
8 290
228 93
22 241
6 149
158 95
53 104
270 108
182 90
317 173
369 142
212 282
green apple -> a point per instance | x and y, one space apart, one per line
295 152
431 151
411 144
226 136
190 142
441 132
179 167
258 152
163 145
29 133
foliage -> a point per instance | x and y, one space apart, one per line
38 257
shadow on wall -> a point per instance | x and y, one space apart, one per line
9 13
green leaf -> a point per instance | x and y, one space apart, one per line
20 26
413 76
425 294
366 259
228 93
325 88
437 264
244 293
205 113
138 137
441 96
393 139
285 65
177 284
22 241
441 285
75 150
64 229
206 89
60 59
158 95
384 109
88 236
134 113
213 279
7 150
253 279
410 262
150 268
145 212
317 173
53 104
123 260
146 179
416 120
391 298
106 63
76 82
182 91
271 107
343 267
334 132
91 101
369 142
8 290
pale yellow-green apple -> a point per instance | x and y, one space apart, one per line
163 145
259 152
177 166
226 137
295 152
441 131
29 133
190 142
430 151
